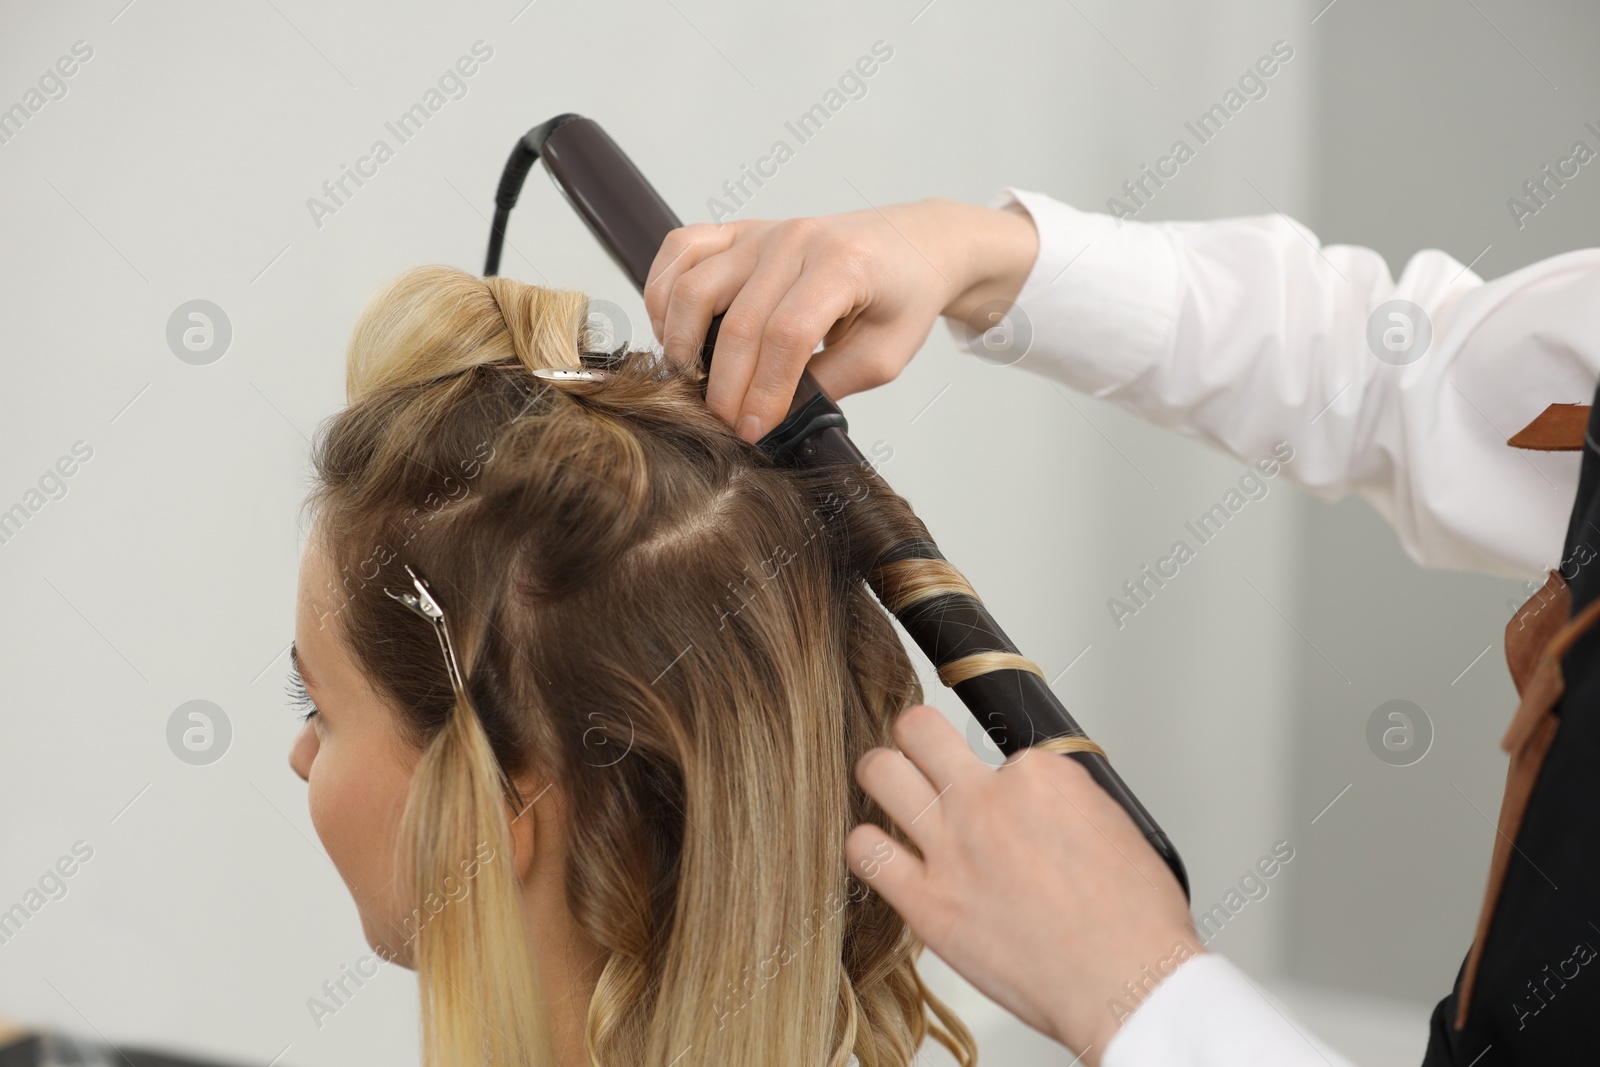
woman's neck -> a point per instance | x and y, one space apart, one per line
569 962
569 966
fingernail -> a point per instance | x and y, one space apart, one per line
750 428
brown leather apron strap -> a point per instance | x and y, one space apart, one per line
1536 639
1558 428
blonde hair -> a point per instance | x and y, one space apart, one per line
678 634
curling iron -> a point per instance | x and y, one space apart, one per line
999 686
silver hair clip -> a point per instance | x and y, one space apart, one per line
570 374
423 603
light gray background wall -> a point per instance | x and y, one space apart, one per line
178 166
1429 116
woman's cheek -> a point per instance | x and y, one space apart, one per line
319 799
357 801
335 799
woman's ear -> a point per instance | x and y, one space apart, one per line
536 818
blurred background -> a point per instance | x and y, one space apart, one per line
179 164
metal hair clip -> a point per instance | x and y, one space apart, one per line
423 603
570 374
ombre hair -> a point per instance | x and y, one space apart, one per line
671 629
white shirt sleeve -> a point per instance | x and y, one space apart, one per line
1207 1013
1245 332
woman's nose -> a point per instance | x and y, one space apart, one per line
304 751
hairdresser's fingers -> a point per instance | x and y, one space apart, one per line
698 295
905 795
873 354
1040 891
938 749
682 249
799 322
888 867
743 329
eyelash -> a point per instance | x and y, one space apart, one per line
295 690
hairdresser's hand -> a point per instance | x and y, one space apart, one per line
870 284
1033 884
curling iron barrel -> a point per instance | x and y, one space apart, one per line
1004 690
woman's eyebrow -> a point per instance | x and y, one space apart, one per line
299 665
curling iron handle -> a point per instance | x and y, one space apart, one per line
620 206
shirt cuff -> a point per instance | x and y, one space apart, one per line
1099 305
1207 1013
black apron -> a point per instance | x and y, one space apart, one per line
1529 991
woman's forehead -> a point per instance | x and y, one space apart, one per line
318 600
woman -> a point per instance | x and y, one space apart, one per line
624 844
